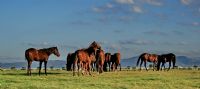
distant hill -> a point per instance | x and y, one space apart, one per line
54 63
183 61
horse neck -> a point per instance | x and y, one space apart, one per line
48 51
89 51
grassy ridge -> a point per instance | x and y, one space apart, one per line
59 79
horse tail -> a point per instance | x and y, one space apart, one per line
75 63
139 60
26 55
174 60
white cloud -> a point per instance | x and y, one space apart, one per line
196 24
137 9
125 1
95 9
109 5
135 42
182 43
186 2
156 32
154 2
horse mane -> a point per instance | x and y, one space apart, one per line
95 44
48 50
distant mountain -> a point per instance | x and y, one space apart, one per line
186 61
181 61
129 61
54 63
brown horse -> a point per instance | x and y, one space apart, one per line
83 59
115 60
70 60
100 60
107 61
146 57
40 55
166 58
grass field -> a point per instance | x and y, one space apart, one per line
60 79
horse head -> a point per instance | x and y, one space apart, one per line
94 47
55 51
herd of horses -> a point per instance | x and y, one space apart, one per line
93 58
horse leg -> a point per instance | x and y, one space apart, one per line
89 68
92 67
40 65
29 68
158 66
173 61
163 65
101 68
116 66
120 68
105 66
145 65
141 64
97 66
153 66
80 68
169 65
109 66
45 64
74 68
113 66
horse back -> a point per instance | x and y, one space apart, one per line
82 56
33 54
30 54
169 57
116 58
153 58
70 58
107 57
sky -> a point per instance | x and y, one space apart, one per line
130 27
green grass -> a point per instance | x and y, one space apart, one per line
60 79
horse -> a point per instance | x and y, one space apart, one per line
107 61
70 60
170 57
40 55
146 57
115 60
100 56
83 59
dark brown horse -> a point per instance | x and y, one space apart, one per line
70 60
115 60
40 55
166 58
146 57
83 59
107 61
100 56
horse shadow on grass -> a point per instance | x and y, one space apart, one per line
33 74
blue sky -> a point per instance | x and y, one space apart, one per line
129 26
